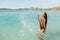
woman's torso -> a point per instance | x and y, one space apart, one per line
42 22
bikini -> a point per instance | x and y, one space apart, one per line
41 26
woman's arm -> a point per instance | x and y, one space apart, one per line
39 20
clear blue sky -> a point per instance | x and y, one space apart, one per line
28 3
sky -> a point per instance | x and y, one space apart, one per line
29 3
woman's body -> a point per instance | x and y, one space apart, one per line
42 22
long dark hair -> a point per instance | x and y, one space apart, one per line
45 19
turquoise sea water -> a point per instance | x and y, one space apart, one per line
23 25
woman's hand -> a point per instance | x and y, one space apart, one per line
38 15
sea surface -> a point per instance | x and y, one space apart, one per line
23 25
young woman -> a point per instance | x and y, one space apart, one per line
42 22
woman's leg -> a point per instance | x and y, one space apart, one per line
41 32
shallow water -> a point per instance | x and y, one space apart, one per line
23 25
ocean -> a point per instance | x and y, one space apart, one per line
23 25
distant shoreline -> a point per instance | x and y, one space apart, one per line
32 8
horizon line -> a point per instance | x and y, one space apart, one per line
29 7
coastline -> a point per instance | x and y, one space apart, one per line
32 8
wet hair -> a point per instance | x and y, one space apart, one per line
45 19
